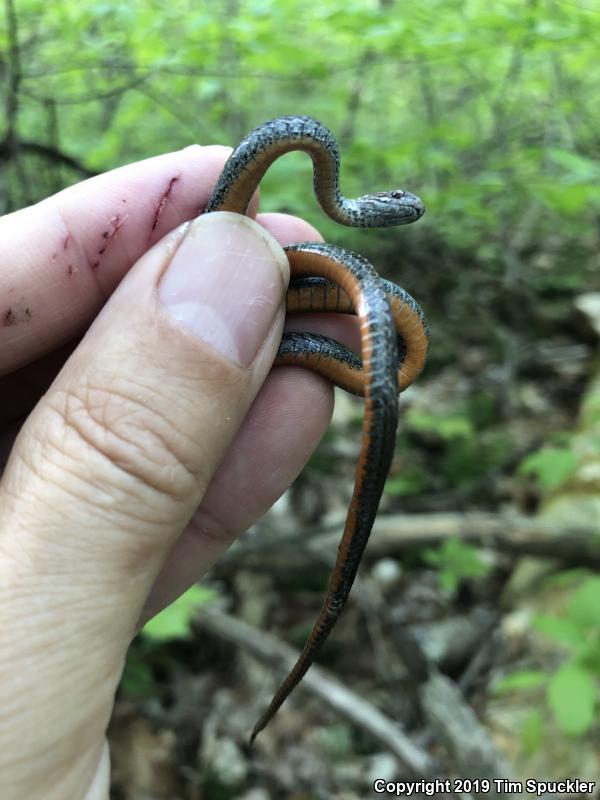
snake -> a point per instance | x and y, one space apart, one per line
393 332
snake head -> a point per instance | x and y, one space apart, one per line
383 209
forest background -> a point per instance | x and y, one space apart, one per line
488 110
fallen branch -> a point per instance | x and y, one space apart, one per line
393 534
518 535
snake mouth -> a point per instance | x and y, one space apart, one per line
416 206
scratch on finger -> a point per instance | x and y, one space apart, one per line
114 226
12 317
163 201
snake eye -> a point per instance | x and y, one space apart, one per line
398 194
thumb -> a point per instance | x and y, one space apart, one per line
107 472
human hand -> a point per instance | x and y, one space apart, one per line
153 444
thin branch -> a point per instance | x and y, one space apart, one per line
12 94
14 74
87 96
47 152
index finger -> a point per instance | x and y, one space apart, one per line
62 258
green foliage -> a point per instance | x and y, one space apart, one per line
532 733
467 459
567 579
468 447
579 629
449 427
492 117
456 561
149 650
563 630
174 621
572 689
137 681
552 466
412 480
584 607
572 693
520 679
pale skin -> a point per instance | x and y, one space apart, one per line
138 466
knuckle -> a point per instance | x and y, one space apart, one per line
115 436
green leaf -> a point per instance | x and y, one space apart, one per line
532 732
451 426
137 681
456 561
566 579
174 621
572 697
412 480
584 607
565 199
520 680
561 629
551 465
588 656
577 167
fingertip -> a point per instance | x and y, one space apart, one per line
220 150
288 229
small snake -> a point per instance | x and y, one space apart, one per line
394 334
